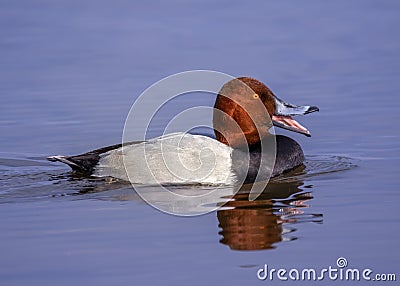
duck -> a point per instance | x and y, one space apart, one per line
243 150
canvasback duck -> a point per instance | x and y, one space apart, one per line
243 149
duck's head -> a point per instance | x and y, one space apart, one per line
245 110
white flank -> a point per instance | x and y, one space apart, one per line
178 158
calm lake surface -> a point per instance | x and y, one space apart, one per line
69 72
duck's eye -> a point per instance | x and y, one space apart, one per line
256 96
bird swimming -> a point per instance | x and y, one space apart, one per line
243 149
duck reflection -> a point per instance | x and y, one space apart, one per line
266 221
244 225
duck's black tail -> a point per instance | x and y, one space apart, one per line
84 163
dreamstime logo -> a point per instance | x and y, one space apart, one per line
340 273
180 158
341 262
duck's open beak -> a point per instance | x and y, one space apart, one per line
283 116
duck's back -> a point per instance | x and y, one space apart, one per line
178 158
182 158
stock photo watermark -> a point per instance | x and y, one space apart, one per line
339 272
181 158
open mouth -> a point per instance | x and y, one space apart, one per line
283 116
287 122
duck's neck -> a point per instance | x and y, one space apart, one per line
255 146
243 138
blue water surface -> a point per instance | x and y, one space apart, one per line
69 72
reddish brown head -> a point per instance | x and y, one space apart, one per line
245 103
245 110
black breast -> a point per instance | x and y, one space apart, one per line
289 155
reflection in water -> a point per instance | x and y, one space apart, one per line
260 224
245 225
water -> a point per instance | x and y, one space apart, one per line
71 70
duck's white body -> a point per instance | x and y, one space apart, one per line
178 158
